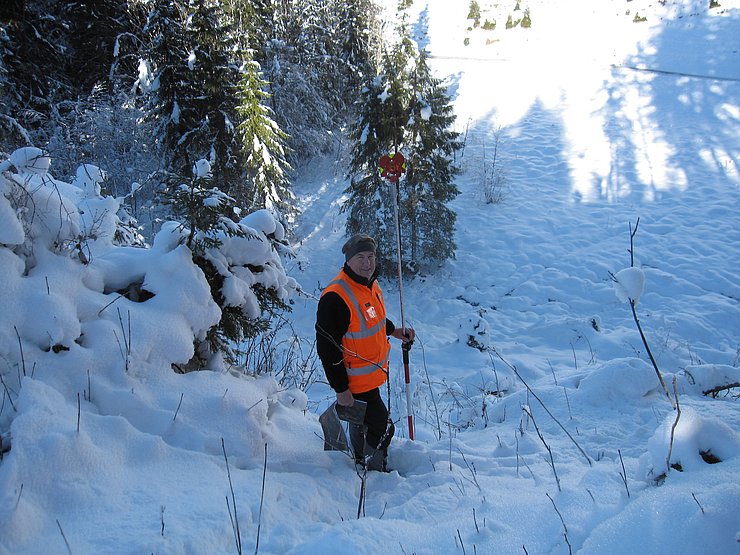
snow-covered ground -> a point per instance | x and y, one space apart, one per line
600 121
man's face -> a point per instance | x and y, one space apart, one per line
363 264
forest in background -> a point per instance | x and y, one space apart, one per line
196 112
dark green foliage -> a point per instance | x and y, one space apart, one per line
165 53
429 182
510 23
383 112
262 143
51 54
209 105
33 66
526 20
189 55
203 211
405 109
474 13
94 27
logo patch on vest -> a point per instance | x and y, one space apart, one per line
370 313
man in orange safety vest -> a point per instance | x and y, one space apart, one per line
351 341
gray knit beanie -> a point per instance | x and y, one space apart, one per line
359 243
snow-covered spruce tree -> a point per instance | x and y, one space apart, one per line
427 223
244 290
210 106
297 99
263 146
8 124
357 42
37 83
383 111
405 108
314 62
94 27
163 73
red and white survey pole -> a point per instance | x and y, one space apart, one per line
392 167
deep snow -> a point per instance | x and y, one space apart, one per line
600 121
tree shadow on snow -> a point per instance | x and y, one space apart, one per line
683 132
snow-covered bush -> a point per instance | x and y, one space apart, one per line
71 287
240 260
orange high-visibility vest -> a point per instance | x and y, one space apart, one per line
365 345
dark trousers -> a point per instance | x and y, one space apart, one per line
376 419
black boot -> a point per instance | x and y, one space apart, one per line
357 439
376 459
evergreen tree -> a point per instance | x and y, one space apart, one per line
383 113
36 84
405 109
209 107
263 146
163 73
197 69
94 27
429 185
200 208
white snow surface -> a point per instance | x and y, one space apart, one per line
601 121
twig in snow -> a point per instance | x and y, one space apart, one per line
542 439
234 518
715 390
69 549
18 499
623 474
673 429
161 517
262 499
449 429
20 346
7 392
575 358
530 390
567 400
110 303
637 320
363 481
78 413
431 392
472 471
461 541
178 406
565 528
553 372
125 349
697 502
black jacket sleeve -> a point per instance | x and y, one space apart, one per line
332 322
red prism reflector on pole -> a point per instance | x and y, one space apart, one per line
392 166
